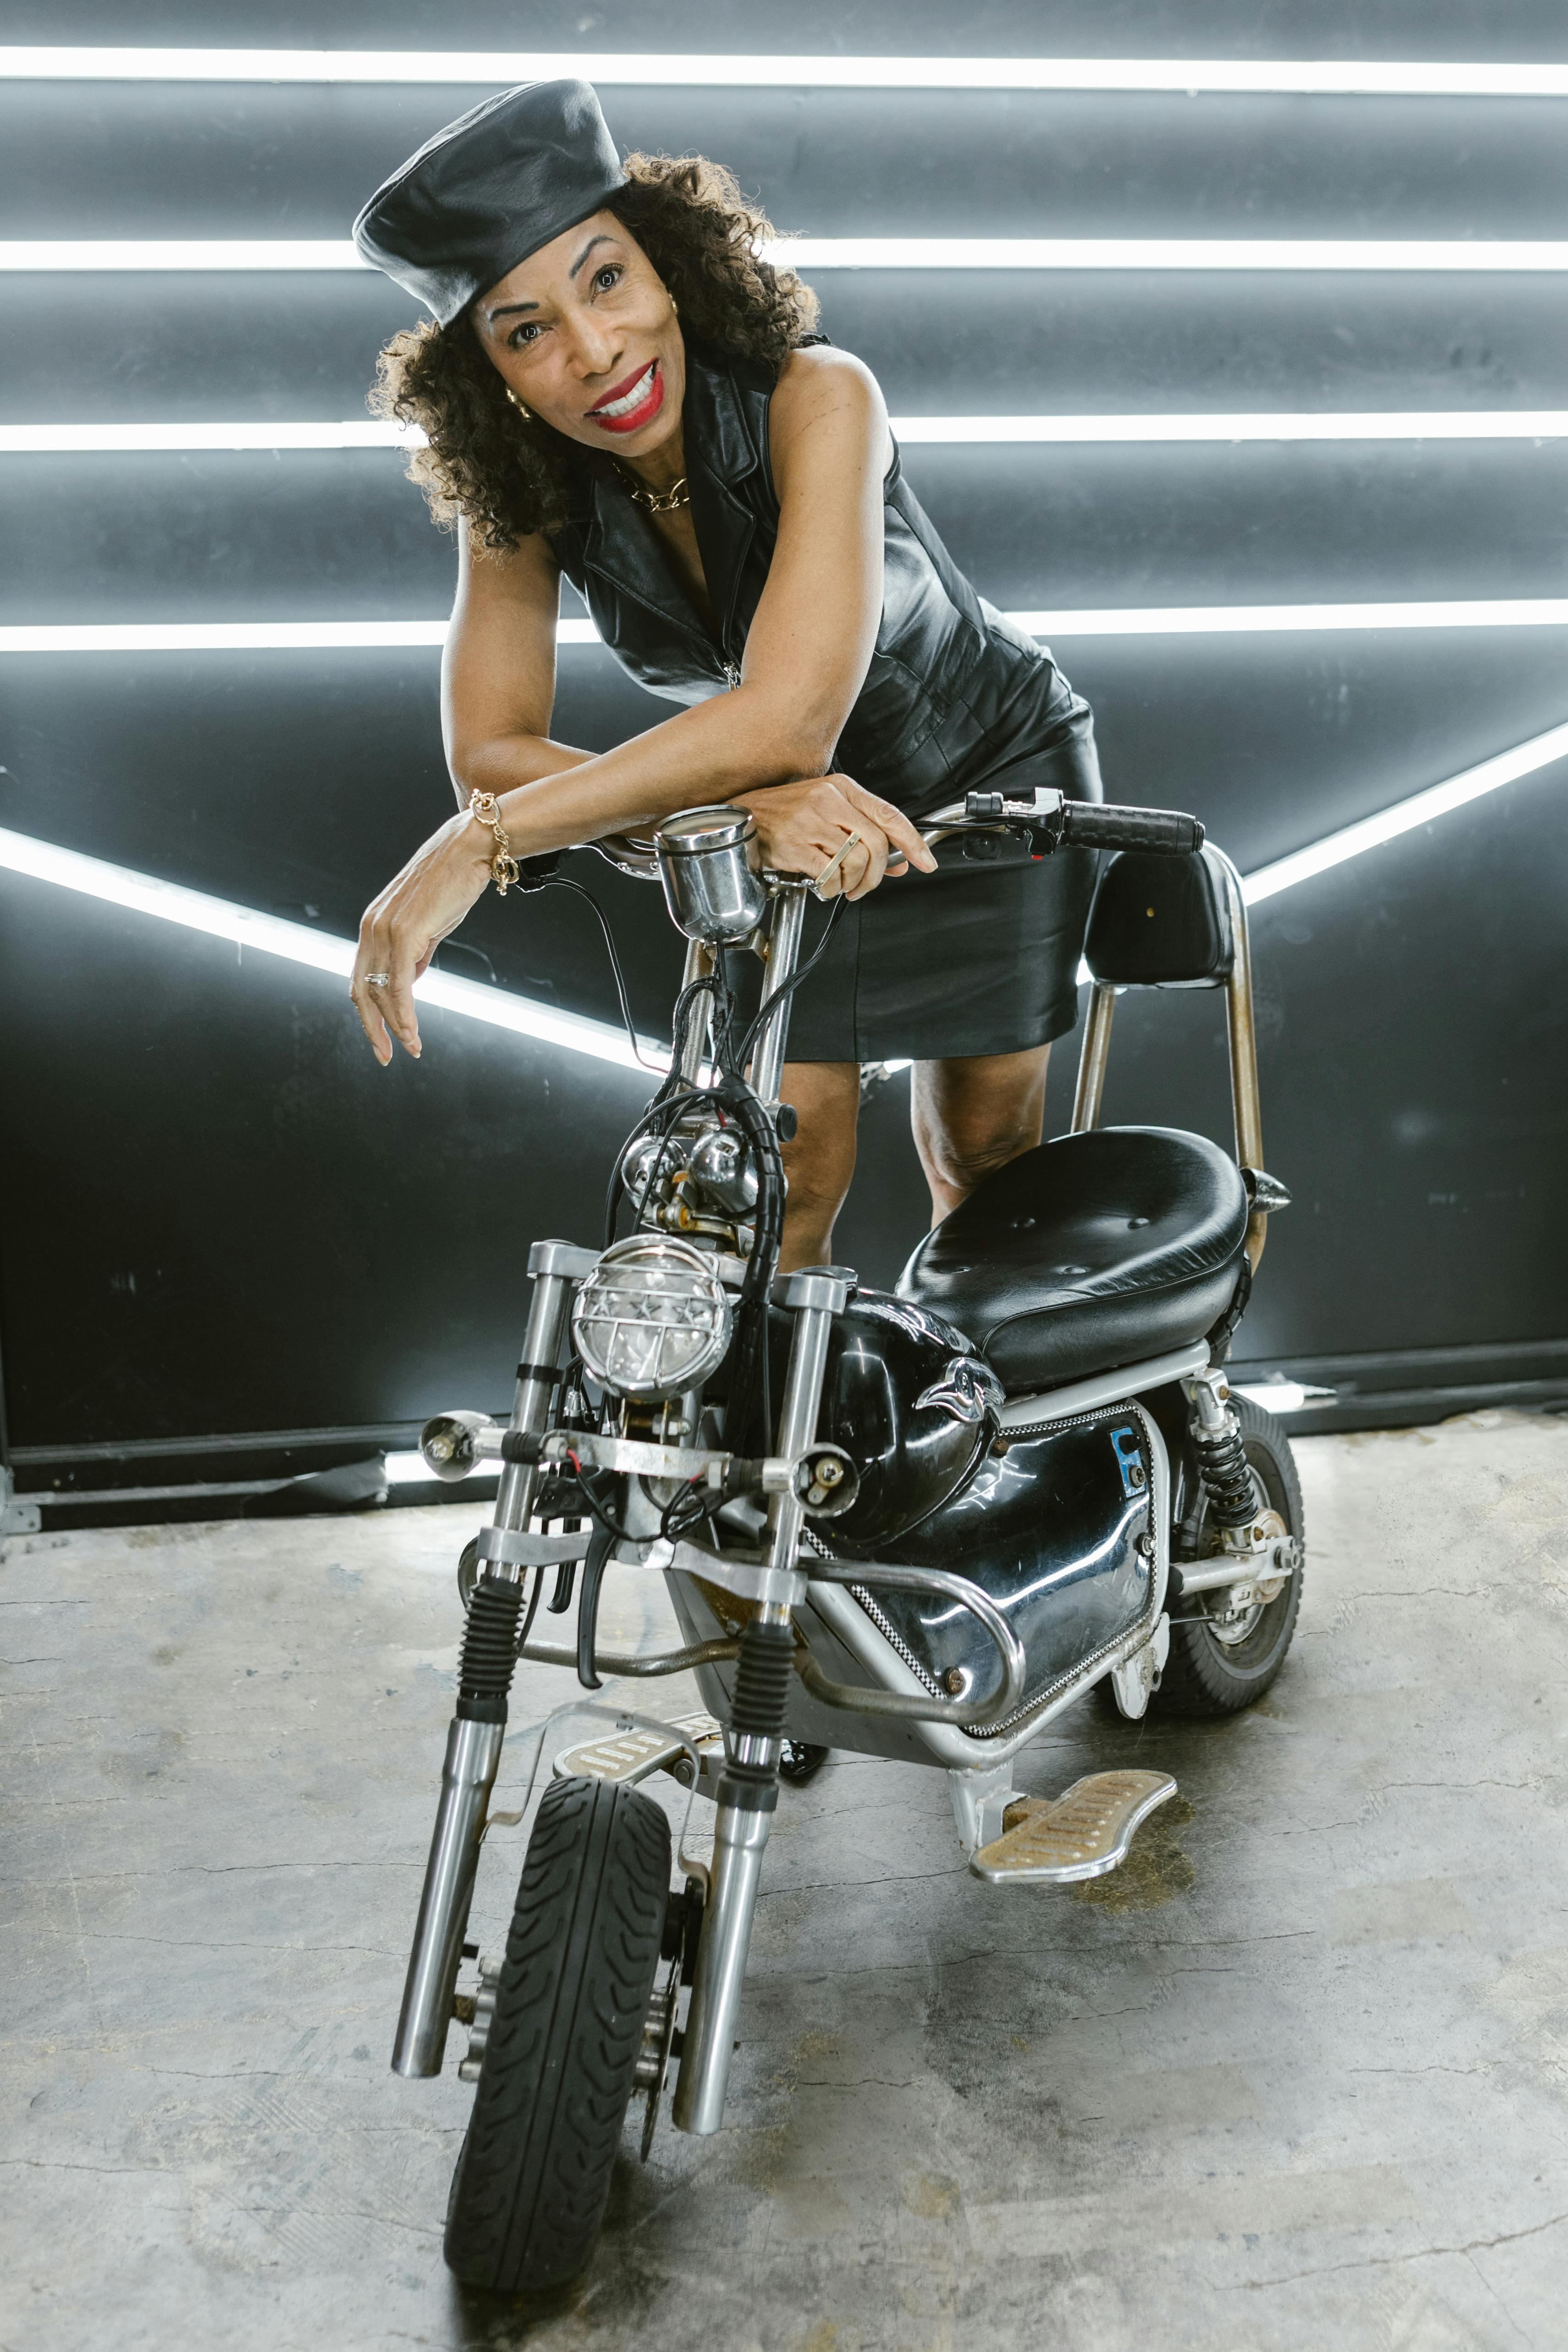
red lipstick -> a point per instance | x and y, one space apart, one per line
646 403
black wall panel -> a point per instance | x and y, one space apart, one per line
173 346
312 534
1002 28
299 160
225 1218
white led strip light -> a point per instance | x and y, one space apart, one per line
950 432
226 255
1421 808
1114 621
219 918
1323 76
172 902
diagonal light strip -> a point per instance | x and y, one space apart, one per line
220 918
1113 621
1421 808
1261 425
195 910
57 255
1323 76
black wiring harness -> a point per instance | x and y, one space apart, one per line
748 1403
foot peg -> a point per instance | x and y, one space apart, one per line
1053 1841
634 1755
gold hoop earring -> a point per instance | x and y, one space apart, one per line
675 307
517 405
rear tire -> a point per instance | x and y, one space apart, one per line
533 2177
1205 1675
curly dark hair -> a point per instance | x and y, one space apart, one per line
505 477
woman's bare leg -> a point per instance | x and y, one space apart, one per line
821 1160
971 1114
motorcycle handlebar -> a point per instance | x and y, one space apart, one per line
1091 824
1057 823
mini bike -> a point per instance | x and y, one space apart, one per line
918 1525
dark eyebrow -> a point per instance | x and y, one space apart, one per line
510 309
603 238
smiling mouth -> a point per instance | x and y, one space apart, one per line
632 408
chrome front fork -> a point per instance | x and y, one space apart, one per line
474 1748
749 1787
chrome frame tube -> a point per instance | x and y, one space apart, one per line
474 1749
698 965
1092 1056
783 956
1242 1029
968 1715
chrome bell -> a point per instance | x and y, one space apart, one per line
721 1167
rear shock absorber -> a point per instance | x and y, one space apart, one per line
1221 1456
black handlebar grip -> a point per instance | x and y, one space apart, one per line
1102 825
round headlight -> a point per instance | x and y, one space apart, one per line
652 1318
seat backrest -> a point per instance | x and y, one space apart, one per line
1160 922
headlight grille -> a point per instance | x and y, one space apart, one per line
652 1318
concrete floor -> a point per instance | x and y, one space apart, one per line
1297 2077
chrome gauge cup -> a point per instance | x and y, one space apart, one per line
652 1318
708 860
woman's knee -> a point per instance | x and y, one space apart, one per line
972 1117
964 1154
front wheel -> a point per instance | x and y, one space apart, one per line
1217 1664
562 2048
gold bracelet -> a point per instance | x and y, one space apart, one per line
486 809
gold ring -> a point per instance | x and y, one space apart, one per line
834 864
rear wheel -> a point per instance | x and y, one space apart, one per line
560 2053
1221 1663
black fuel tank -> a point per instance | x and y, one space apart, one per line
1057 1531
910 1403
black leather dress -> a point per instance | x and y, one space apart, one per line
980 958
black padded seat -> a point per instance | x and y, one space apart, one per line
1091 1251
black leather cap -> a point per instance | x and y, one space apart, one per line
490 189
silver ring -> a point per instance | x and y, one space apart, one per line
378 978
834 864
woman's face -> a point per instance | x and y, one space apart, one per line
586 336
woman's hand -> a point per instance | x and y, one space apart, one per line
400 930
804 827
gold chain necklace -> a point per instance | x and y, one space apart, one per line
658 502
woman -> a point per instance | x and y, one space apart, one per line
616 387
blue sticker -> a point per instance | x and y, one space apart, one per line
1130 1460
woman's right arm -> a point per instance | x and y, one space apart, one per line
498 673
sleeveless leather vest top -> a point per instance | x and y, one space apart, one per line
954 694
